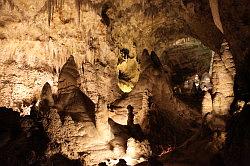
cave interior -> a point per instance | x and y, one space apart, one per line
117 83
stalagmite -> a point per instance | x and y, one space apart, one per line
47 94
207 105
72 100
223 70
222 87
68 77
227 58
143 114
102 116
137 150
211 64
130 121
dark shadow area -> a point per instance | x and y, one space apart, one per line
237 145
60 160
23 139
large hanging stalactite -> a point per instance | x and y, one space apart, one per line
215 13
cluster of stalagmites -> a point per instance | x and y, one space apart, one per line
102 132
80 129
75 129
217 101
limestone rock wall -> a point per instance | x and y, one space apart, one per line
32 52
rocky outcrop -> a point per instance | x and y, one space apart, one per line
70 124
21 84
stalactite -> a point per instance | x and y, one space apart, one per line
105 17
211 64
10 2
49 8
215 13
78 4
52 6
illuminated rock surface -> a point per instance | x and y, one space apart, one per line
101 81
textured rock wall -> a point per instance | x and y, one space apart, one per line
32 52
86 35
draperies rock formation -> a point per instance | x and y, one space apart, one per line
70 99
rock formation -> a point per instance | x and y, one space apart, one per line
77 125
72 68
207 103
46 95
